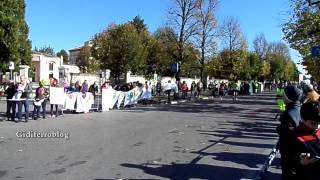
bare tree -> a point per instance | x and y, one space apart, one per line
181 18
206 31
260 46
279 48
232 35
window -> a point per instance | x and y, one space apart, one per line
50 66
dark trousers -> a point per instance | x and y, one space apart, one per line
168 92
25 103
51 109
11 105
184 94
36 110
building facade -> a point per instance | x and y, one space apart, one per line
75 55
46 66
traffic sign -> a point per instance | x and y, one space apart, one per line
154 67
315 51
174 67
11 65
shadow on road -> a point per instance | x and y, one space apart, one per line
257 131
188 171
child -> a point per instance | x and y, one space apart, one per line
40 101
306 145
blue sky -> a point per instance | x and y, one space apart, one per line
66 24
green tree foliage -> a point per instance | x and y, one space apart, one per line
229 65
46 50
138 23
167 40
86 62
251 67
14 43
119 48
64 54
302 32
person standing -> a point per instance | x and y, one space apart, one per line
11 105
94 88
167 90
53 83
184 88
84 87
193 90
221 90
158 88
23 88
40 101
289 120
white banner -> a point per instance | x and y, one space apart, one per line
70 100
84 102
110 97
57 95
107 96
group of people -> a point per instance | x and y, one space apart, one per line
20 95
76 86
299 134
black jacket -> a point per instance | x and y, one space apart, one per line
305 141
10 91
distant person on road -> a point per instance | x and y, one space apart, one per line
184 88
158 88
211 89
235 91
221 90
289 120
193 90
168 89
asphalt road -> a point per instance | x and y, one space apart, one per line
198 140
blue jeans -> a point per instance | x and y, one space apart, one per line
25 103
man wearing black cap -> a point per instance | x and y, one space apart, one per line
306 144
289 120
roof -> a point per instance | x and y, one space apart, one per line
76 49
44 54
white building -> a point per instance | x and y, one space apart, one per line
46 66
